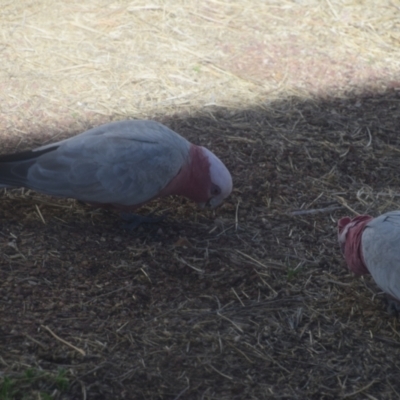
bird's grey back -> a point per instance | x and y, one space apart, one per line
381 251
121 162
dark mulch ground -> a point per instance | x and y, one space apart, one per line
249 302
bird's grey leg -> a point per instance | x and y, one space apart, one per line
134 220
392 305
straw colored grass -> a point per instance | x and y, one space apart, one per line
300 100
64 62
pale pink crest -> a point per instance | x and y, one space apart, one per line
350 239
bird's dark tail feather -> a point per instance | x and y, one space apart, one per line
14 167
25 155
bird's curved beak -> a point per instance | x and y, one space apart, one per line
212 203
215 202
208 204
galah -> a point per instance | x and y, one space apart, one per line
372 245
121 165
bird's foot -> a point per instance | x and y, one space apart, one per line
392 306
134 220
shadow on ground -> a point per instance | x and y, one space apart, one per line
251 301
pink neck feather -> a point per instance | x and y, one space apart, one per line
193 180
353 245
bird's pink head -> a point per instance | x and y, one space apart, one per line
350 241
203 179
344 224
220 180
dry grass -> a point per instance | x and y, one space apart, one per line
300 101
68 62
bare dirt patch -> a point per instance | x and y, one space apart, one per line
252 301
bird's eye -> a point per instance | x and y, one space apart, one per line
215 190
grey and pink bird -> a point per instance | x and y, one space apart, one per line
372 246
122 165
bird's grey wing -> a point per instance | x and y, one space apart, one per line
138 130
381 250
126 172
108 164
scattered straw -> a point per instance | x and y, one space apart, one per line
40 214
64 341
